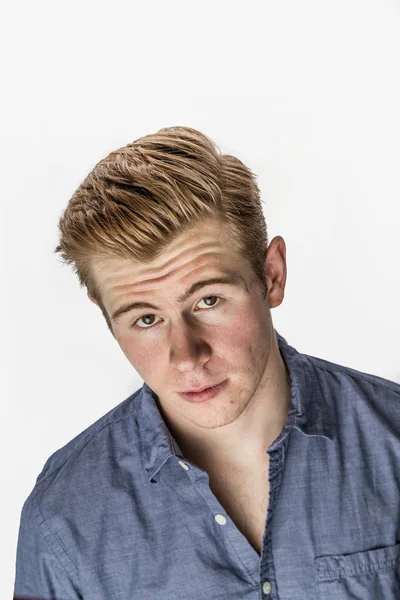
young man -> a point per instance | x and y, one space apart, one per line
280 480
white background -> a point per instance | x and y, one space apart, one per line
307 94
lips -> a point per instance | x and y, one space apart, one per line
201 389
207 393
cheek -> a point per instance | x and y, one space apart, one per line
247 338
139 356
232 339
240 339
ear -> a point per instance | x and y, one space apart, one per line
92 299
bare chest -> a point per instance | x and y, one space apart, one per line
245 498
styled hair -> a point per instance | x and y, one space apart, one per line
140 198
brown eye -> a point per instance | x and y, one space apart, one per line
207 298
144 318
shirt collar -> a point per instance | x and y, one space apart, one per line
310 411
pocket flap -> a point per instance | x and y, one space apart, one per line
338 566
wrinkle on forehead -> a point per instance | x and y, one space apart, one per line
213 235
117 266
148 283
115 275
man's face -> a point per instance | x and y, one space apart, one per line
220 332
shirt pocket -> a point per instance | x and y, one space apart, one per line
364 575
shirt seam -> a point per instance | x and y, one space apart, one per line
49 536
364 376
80 447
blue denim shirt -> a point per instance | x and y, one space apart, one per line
118 513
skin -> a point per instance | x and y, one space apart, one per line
189 345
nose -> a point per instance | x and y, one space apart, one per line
189 350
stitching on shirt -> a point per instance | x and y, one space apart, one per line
377 567
59 542
82 443
354 374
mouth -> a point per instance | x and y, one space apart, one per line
198 390
204 394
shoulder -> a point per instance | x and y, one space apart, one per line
354 380
107 436
75 487
356 397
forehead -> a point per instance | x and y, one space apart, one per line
206 251
206 246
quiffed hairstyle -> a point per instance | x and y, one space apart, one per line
140 198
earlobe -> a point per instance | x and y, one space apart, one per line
92 299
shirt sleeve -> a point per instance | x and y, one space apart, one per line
44 570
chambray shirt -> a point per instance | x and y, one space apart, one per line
118 513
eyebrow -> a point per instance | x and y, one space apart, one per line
232 280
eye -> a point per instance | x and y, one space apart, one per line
150 325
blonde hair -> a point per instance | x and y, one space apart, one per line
140 198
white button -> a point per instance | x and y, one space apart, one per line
184 465
220 519
266 587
